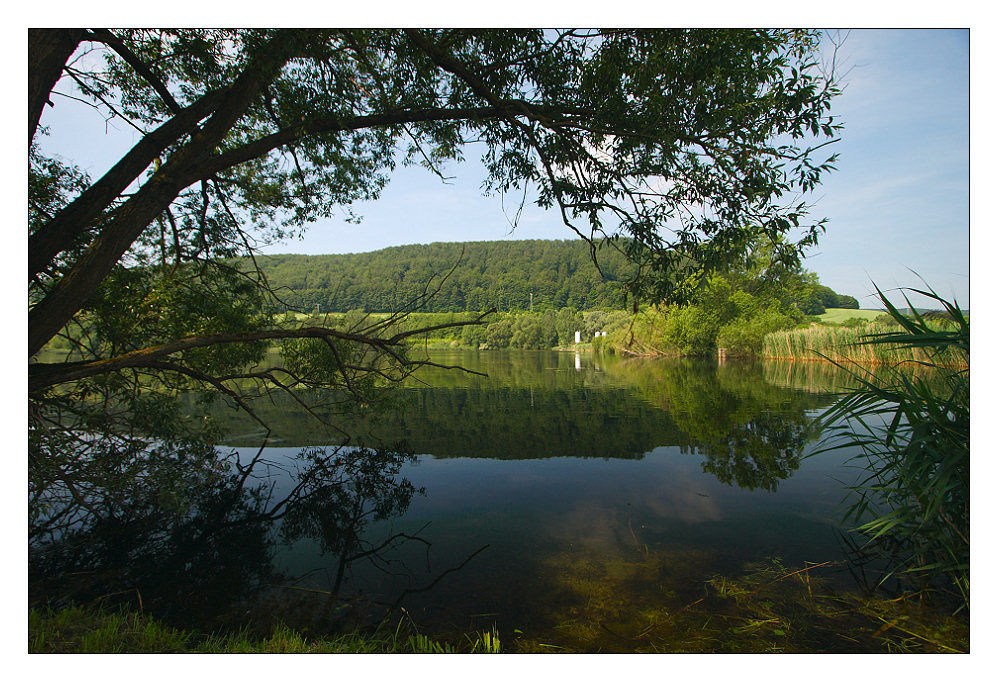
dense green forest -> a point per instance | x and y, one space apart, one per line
544 291
474 276
469 276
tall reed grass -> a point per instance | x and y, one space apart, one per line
912 432
851 345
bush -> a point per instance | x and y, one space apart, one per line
808 301
534 332
473 336
744 336
846 302
691 329
499 333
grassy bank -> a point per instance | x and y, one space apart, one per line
92 630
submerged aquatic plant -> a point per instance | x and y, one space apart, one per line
913 433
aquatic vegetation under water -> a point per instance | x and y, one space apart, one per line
611 607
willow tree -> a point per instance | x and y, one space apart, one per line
679 147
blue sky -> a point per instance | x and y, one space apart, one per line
898 205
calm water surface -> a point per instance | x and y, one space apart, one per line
574 502
571 489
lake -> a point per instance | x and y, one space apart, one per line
573 502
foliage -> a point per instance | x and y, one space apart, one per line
733 311
745 335
692 329
249 135
913 435
536 331
829 299
298 123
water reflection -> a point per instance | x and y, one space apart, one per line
210 560
338 494
576 472
178 558
749 430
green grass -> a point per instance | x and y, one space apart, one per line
840 315
79 629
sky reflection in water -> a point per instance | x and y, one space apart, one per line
679 503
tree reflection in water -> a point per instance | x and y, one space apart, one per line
177 557
339 494
208 561
750 432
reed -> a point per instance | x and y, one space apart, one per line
912 435
846 345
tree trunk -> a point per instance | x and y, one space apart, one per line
48 51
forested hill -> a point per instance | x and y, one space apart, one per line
496 274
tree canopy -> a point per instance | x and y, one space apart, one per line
685 142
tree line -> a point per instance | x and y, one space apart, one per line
473 276
448 277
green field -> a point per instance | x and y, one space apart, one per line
840 315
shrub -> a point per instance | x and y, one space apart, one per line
691 329
744 336
846 302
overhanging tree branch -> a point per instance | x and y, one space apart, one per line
59 233
43 375
104 36
48 52
76 287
